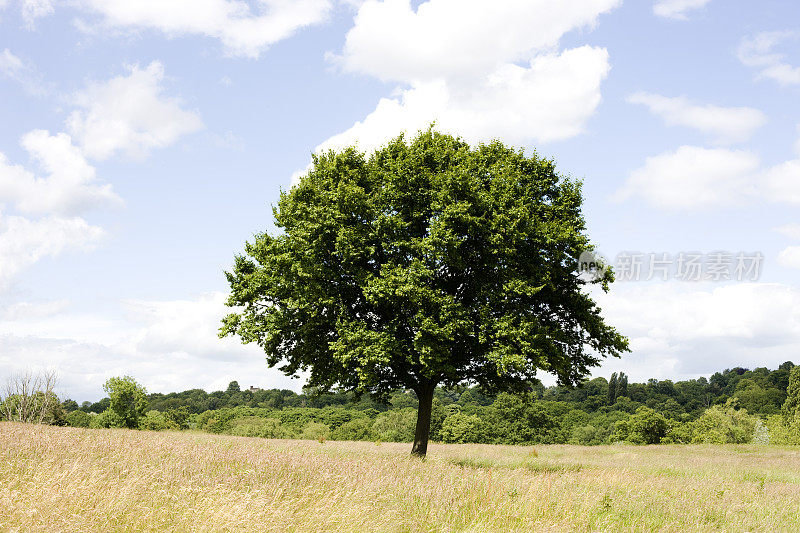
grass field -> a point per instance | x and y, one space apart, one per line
66 479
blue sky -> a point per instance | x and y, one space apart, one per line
144 142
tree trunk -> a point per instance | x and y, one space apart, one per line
423 430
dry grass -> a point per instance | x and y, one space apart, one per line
64 479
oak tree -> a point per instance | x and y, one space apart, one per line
427 263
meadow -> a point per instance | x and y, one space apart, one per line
73 479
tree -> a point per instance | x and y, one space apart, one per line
622 385
428 263
30 397
128 400
233 387
792 403
612 389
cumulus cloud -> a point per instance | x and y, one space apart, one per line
725 125
458 38
685 330
549 99
70 186
243 28
758 52
154 341
129 114
676 9
693 177
23 242
480 71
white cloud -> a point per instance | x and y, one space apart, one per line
129 114
781 183
155 341
758 52
70 186
244 28
693 177
29 310
496 73
458 38
548 100
23 242
791 230
789 257
724 124
10 65
34 9
685 330
14 68
677 9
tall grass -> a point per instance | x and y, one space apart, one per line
69 479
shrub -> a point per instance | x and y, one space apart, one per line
79 419
315 431
156 421
461 428
395 426
107 419
357 429
267 428
644 427
723 425
584 435
782 431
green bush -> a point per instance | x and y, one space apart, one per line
315 431
645 426
395 426
79 419
783 431
156 421
267 428
723 424
107 419
461 428
357 429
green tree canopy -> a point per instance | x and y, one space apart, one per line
128 400
427 263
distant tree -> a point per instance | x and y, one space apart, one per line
461 428
78 419
792 403
622 385
29 397
428 263
646 426
128 400
69 405
612 389
233 387
156 421
724 424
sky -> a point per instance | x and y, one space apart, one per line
143 143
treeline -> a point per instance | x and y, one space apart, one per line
734 406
